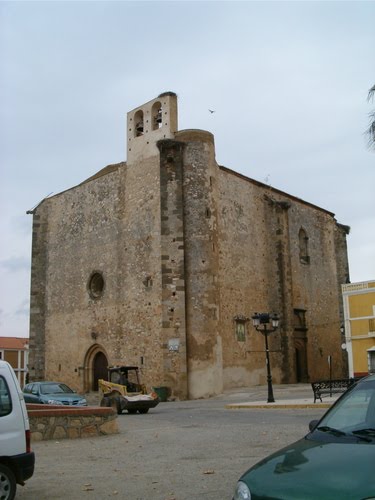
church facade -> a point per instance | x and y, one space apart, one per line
161 262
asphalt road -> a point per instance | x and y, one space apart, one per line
191 450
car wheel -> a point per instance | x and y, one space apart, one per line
8 484
143 410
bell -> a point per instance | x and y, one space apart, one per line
139 127
158 117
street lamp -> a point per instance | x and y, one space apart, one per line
343 337
266 323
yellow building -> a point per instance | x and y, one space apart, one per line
359 314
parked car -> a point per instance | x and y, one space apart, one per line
16 458
335 460
52 393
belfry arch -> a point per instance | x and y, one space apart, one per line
96 363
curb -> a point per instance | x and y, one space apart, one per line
280 405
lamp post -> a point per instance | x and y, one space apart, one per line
266 323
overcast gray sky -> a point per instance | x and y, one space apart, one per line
288 82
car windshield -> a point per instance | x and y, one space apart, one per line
354 414
54 388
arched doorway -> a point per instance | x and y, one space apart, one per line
99 366
96 363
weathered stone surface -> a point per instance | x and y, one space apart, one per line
185 247
59 432
37 436
48 422
89 431
109 427
73 432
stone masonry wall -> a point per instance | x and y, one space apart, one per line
261 271
37 294
204 343
186 249
110 225
140 306
247 277
173 268
55 422
83 238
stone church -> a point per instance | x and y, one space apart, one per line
162 260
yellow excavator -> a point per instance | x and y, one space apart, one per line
124 391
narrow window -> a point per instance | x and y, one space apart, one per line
157 116
300 319
303 247
96 285
148 282
139 125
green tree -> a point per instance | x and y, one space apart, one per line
371 129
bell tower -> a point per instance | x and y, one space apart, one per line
147 124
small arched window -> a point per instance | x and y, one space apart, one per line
157 115
96 285
138 123
303 246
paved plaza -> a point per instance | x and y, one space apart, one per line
188 450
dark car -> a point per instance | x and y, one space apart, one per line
53 393
336 460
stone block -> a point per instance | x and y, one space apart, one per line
109 427
89 431
73 433
59 433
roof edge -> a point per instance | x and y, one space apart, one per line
275 190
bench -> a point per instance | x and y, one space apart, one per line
323 388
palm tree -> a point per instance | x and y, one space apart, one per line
371 129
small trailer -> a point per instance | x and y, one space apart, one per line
124 391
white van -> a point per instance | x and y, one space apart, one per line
16 458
